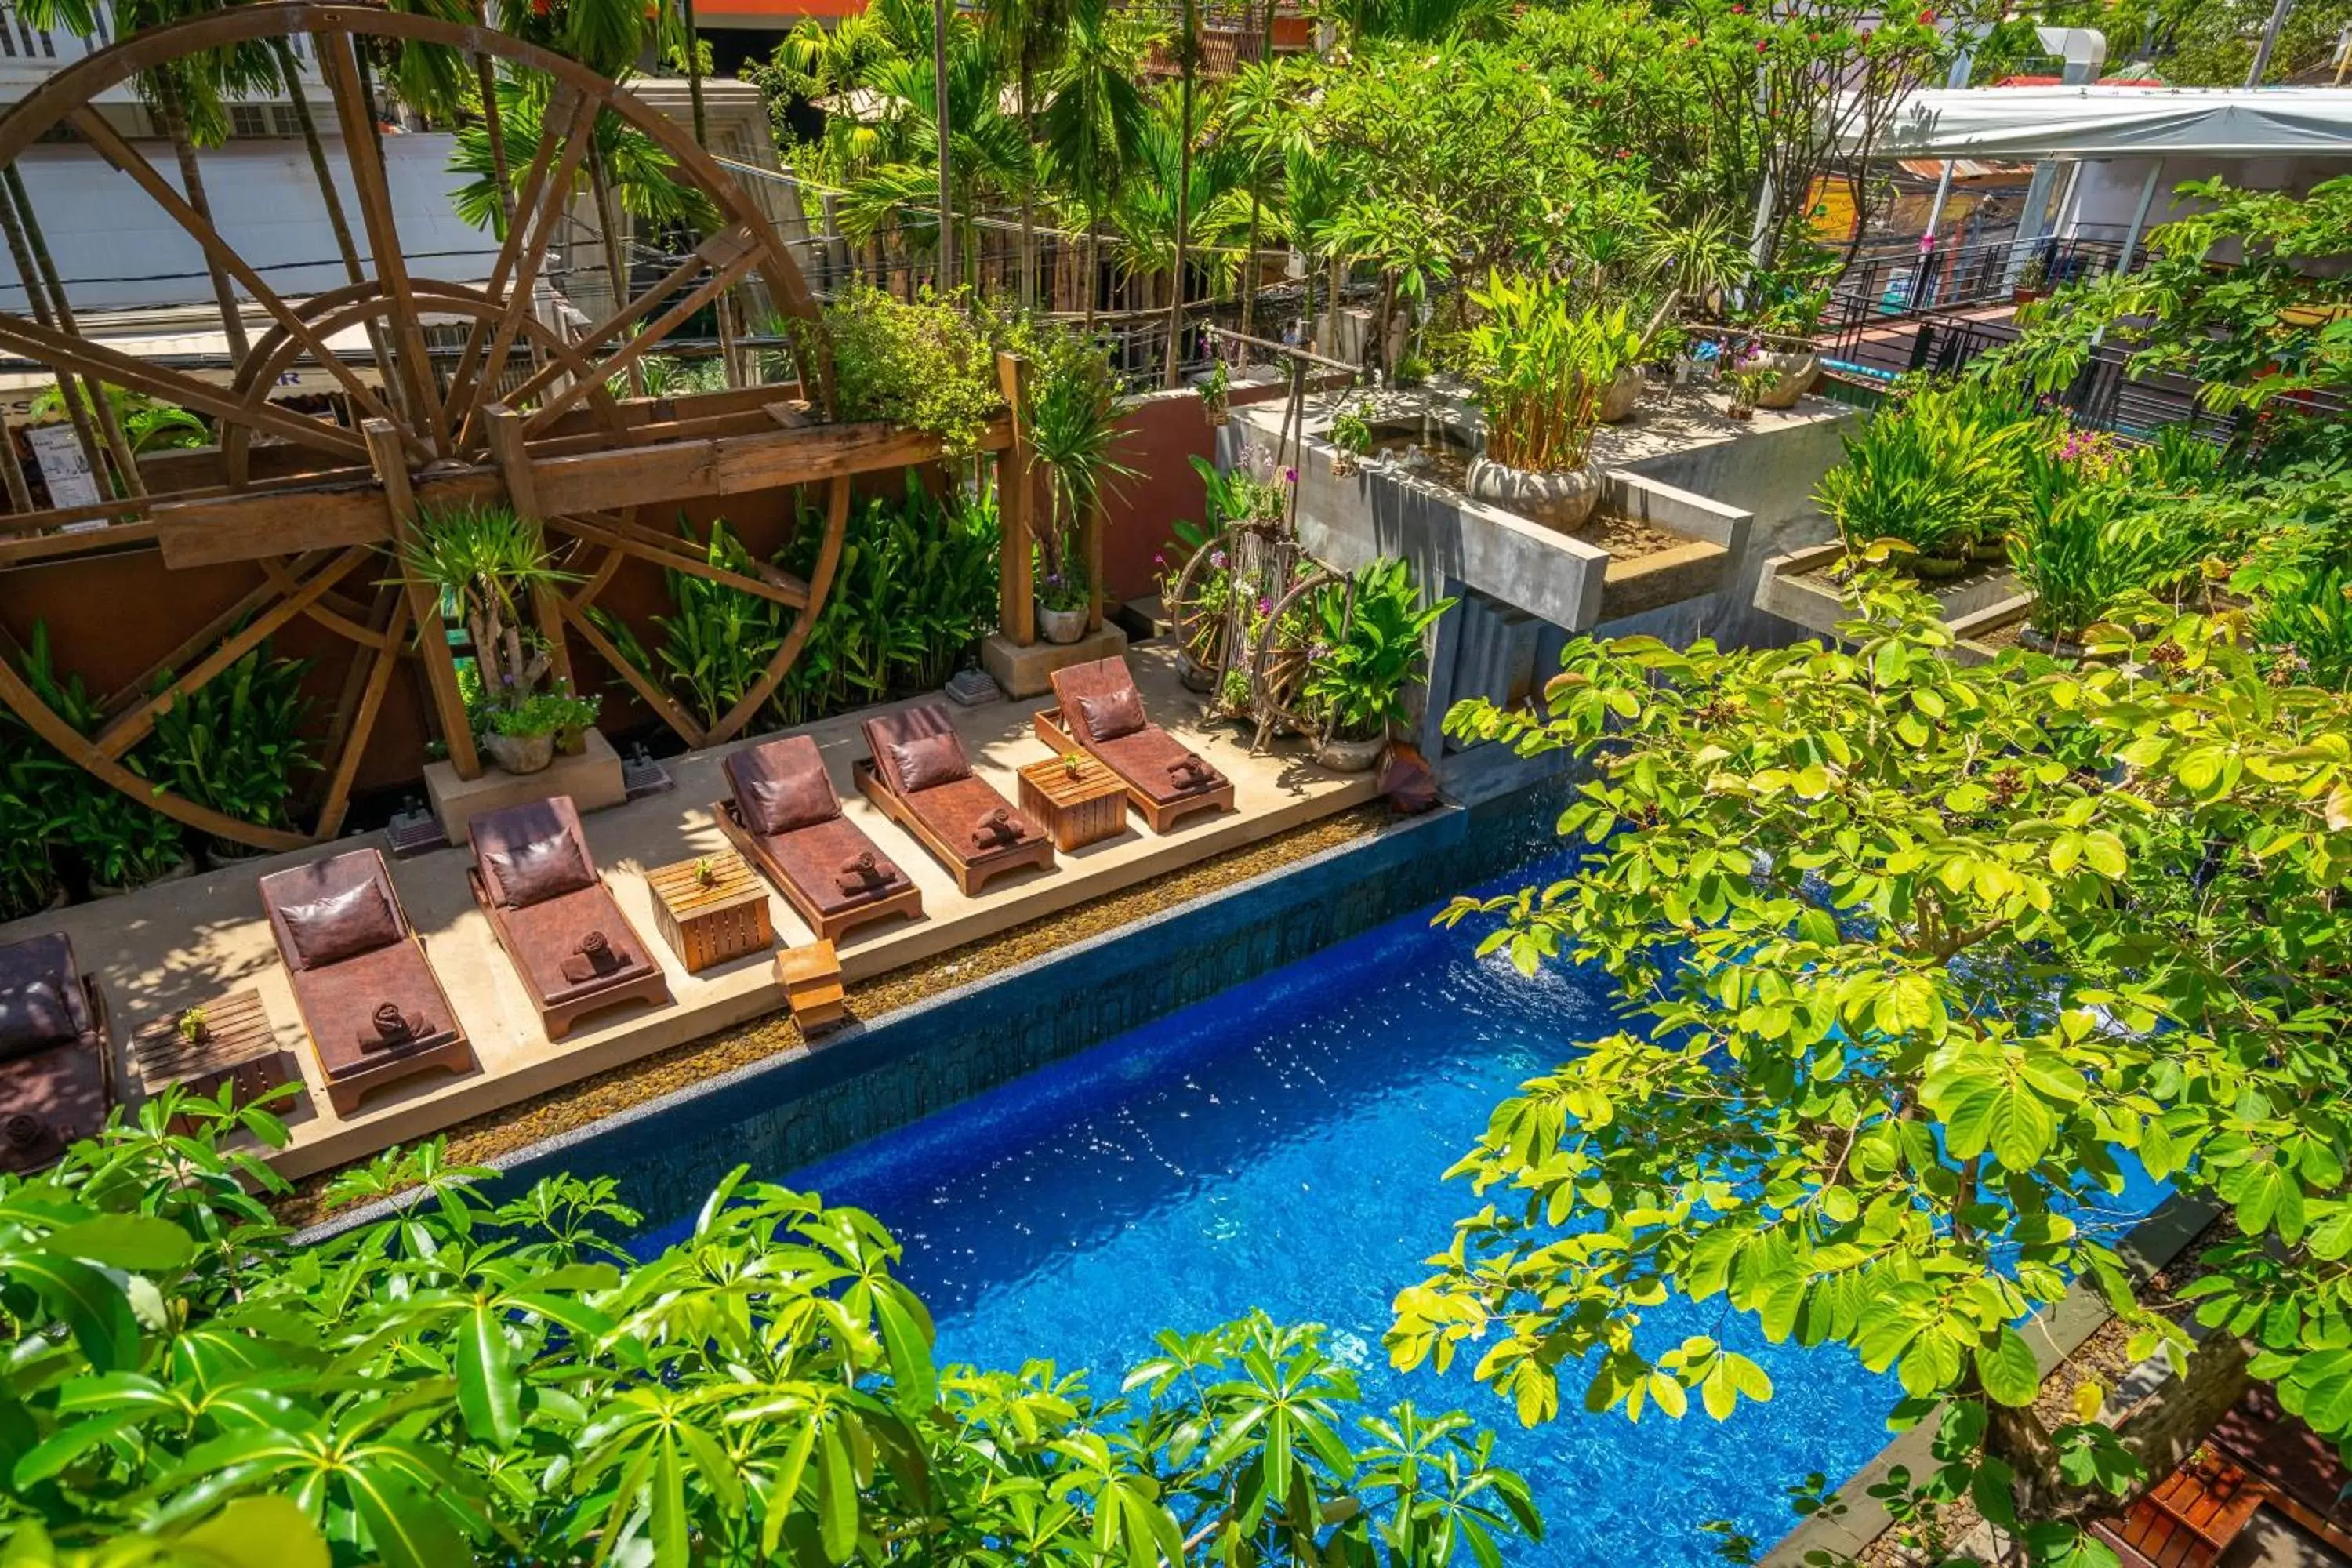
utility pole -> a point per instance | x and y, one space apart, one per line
2270 41
947 268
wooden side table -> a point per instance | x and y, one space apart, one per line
708 923
811 977
238 1046
1077 807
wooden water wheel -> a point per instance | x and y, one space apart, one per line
311 505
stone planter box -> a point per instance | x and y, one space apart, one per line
1382 510
1793 587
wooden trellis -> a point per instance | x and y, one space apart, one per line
316 502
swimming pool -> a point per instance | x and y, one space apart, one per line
1280 1146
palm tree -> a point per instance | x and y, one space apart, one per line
1188 54
1256 120
1031 33
1094 123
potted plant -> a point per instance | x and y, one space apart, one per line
490 563
2084 541
523 737
1942 470
1750 379
2033 279
1215 394
194 1025
1351 437
1540 367
235 744
1073 423
1371 637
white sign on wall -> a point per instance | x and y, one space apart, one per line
65 472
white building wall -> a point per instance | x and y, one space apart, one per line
117 249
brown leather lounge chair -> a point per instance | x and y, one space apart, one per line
1101 713
920 777
575 951
786 819
374 1010
55 1075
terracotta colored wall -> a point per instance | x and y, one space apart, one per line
1164 431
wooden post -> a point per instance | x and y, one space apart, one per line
423 605
504 427
1015 500
1090 545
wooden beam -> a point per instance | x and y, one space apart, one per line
1016 606
655 697
828 558
504 428
132 727
791 591
423 605
210 529
23 552
381 662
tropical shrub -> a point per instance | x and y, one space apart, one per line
1911 959
491 564
1370 640
2084 540
473 1381
1940 470
1541 367
120 842
927 365
716 642
235 743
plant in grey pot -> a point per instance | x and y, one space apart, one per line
491 564
1072 422
523 737
1371 635
1541 367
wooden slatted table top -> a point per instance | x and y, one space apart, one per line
236 1030
732 882
1054 780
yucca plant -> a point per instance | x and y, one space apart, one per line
1541 367
486 562
1072 418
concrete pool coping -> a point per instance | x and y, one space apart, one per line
2055 1333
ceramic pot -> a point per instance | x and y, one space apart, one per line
1738 411
1060 627
1617 403
1798 374
2057 647
1344 465
1351 756
1939 566
520 753
186 868
1556 500
222 853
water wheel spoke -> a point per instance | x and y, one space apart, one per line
357 720
729 254
828 558
85 357
142 685
771 583
144 174
575 616
356 119
565 132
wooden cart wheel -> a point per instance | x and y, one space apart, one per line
464 407
1279 663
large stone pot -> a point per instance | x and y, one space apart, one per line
1798 374
1556 500
1617 403
1351 756
520 753
1060 627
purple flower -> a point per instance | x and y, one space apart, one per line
1290 475
1217 558
1159 561
1266 606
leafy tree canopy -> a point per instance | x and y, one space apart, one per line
1914 958
464 1381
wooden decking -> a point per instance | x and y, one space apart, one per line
163 950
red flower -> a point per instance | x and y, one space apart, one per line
1927 17
1623 153
1690 43
1760 46
1740 10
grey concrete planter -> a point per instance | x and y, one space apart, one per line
1793 588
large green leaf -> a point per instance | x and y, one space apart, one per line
488 1393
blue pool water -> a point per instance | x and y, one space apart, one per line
1281 1146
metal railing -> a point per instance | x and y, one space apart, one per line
1902 282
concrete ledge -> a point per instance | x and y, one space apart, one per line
1792 588
1028 671
592 780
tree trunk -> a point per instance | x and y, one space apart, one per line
1028 196
1249 273
1185 63
1094 263
291 68
192 184
939 114
615 267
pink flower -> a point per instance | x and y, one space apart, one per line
1761 45
1290 475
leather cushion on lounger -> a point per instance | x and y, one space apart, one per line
819 860
1082 689
1159 764
41 1000
530 854
959 812
780 785
1111 714
49 1099
339 925
575 944
891 738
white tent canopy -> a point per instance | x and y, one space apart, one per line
2120 122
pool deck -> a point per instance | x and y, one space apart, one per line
167 948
